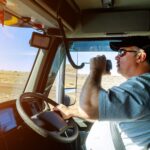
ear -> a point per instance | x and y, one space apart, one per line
141 56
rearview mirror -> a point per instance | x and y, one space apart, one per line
39 40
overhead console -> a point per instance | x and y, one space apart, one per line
116 21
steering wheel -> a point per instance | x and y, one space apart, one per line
65 131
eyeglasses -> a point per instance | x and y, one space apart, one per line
122 52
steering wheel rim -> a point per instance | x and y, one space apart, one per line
41 131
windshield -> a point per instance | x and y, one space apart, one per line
16 61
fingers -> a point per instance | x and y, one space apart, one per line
98 64
65 112
98 60
59 107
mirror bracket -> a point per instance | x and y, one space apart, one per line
67 48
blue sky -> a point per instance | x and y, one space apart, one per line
85 57
94 48
15 48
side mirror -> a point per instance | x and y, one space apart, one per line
39 40
68 101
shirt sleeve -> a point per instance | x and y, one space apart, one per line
125 102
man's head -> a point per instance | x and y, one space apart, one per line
133 55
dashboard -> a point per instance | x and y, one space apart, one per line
9 117
14 133
7 120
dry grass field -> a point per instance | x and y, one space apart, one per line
12 83
107 81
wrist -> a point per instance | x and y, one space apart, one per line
96 75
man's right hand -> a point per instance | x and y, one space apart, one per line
97 65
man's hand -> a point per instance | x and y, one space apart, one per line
97 66
68 112
65 111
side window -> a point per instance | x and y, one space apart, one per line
54 87
66 81
16 61
82 52
71 79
